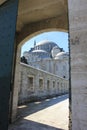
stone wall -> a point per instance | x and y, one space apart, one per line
58 67
36 84
78 49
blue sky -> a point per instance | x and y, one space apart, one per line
60 38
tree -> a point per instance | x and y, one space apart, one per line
24 60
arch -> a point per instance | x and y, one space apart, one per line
60 22
24 34
27 32
39 32
17 72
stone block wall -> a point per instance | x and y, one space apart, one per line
36 84
78 49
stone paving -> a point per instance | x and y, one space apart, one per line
50 114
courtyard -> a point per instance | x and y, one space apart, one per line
48 114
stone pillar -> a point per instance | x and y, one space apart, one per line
8 16
36 82
78 49
16 88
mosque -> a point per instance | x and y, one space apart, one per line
48 56
45 74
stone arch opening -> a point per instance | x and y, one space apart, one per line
78 31
17 73
26 31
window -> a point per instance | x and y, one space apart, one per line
48 84
31 87
58 85
41 84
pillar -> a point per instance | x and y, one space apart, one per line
78 49
8 15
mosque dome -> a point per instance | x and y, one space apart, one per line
41 53
62 55
56 47
45 42
55 51
45 45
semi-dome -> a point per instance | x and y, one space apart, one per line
62 55
39 51
55 51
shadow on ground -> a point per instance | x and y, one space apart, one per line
31 125
31 108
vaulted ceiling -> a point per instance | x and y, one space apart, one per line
36 10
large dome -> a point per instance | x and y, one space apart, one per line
46 42
45 45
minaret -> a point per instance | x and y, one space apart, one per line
34 43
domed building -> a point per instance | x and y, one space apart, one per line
45 45
46 74
48 56
55 51
62 55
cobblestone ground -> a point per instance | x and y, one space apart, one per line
50 114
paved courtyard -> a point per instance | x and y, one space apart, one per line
50 114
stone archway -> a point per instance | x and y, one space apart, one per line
78 45
17 70
36 17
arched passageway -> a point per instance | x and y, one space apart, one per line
52 17
31 12
32 21
19 54
17 77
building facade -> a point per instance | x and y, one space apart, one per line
48 56
36 84
46 74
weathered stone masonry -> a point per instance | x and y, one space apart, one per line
37 84
78 47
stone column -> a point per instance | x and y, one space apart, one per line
78 49
8 17
16 88
36 82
